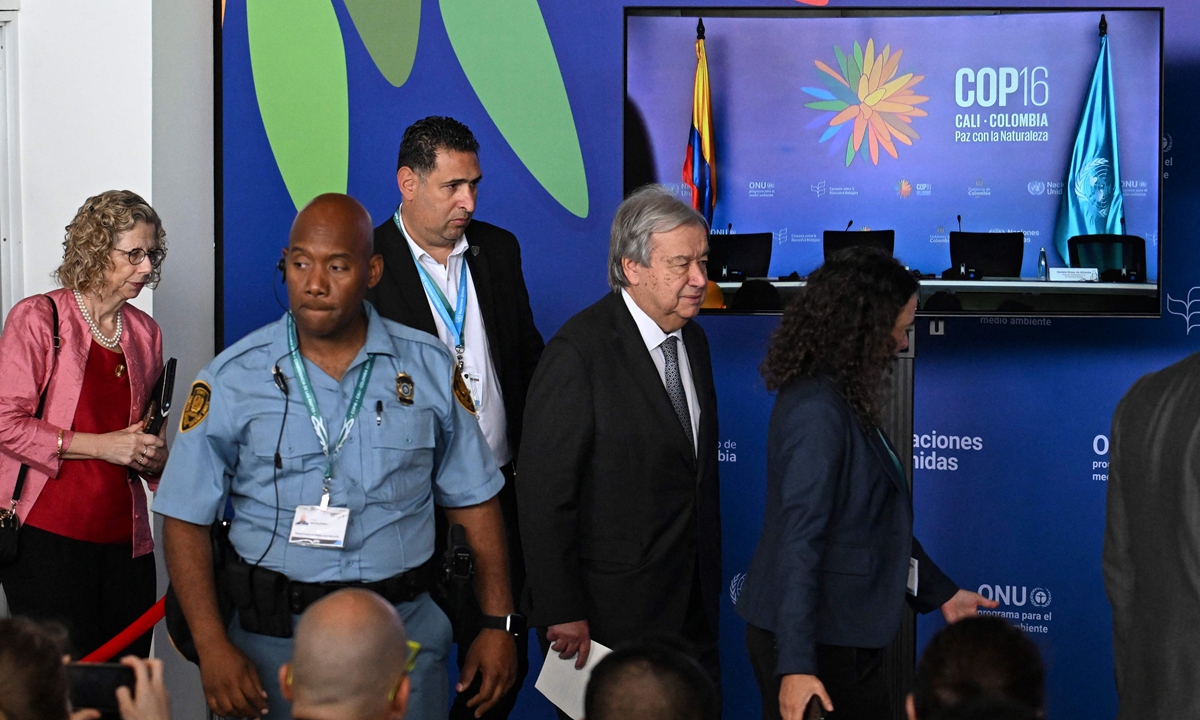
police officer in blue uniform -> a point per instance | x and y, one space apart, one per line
332 432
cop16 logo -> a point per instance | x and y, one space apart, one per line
992 86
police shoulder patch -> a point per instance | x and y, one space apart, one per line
196 408
462 394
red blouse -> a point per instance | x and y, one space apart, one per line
91 499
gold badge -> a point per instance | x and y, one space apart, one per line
196 408
120 370
462 394
404 389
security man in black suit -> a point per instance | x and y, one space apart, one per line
461 280
619 495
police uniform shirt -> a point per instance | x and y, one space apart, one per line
395 464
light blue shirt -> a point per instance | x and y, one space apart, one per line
397 461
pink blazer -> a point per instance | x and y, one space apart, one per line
26 356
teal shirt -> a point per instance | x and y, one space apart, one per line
396 463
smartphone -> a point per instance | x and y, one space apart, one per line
815 710
94 685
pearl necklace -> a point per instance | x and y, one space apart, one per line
110 343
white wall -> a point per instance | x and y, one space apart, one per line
183 196
85 112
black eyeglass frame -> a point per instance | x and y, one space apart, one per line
142 254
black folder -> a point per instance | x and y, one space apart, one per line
159 405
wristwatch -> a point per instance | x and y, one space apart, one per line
513 624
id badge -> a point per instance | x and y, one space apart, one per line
475 385
315 526
913 565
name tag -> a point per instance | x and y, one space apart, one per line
912 576
316 526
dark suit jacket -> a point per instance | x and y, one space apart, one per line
616 510
832 562
494 258
1151 548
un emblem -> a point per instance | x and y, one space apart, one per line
735 586
1094 185
1036 187
1039 597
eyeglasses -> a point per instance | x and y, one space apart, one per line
137 255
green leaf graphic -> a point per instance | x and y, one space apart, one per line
856 68
299 66
389 29
505 51
827 105
841 58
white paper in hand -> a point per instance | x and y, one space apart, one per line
565 686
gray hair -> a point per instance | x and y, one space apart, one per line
648 210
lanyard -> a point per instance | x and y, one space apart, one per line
314 413
896 460
452 317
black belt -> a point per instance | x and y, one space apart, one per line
396 589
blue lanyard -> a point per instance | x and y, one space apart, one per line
452 317
310 402
892 453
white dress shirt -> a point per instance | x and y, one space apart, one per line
477 355
653 336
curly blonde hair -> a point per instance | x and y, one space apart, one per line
92 235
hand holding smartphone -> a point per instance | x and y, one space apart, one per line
94 685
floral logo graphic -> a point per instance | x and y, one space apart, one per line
904 188
868 92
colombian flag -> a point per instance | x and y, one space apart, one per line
699 168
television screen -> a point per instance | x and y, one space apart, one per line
926 123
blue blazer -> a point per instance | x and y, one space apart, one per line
832 563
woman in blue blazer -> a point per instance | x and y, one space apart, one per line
837 558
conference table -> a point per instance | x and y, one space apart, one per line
1006 296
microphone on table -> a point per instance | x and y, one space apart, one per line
960 223
848 225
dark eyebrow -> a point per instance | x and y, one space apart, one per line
459 181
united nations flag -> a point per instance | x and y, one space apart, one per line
1091 200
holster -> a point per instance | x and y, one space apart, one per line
177 628
455 590
261 597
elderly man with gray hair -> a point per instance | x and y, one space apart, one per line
618 496
349 660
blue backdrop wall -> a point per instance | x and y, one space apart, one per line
316 94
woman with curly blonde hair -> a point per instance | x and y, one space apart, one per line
71 429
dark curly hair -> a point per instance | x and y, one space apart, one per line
423 139
33 679
840 326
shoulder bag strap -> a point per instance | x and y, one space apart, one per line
16 496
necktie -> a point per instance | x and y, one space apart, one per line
675 385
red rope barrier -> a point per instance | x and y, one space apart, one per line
109 650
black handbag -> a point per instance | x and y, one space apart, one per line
10 524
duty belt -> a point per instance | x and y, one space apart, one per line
396 589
